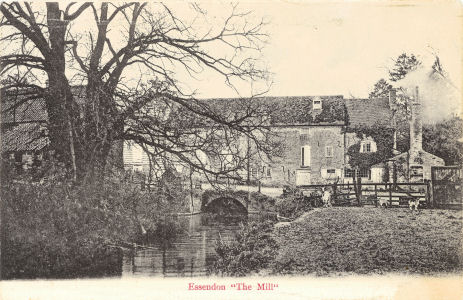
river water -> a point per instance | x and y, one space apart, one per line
189 253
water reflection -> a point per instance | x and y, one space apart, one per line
188 253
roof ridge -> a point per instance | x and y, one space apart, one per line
275 97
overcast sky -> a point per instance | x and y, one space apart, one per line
334 48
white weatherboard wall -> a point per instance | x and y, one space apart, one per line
134 156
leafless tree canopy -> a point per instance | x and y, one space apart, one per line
49 48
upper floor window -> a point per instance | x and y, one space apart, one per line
304 137
367 146
317 103
329 151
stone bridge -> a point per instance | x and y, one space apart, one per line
235 201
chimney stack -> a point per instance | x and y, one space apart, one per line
416 130
392 96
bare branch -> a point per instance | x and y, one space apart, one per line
77 13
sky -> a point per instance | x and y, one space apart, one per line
343 48
328 47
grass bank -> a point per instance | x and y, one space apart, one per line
371 240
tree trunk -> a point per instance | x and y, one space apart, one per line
99 129
59 99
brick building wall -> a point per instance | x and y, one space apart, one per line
323 155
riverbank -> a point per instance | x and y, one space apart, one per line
59 229
349 240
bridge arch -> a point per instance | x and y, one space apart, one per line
224 205
239 201
223 201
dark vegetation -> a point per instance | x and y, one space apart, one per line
54 229
444 139
293 203
253 250
383 138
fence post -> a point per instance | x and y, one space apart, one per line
390 195
429 196
376 196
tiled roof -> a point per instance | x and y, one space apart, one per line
24 137
23 124
31 111
368 112
296 110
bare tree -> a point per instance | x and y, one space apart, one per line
151 40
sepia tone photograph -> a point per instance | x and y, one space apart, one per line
265 148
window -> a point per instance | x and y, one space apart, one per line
329 173
317 103
348 173
305 156
254 172
416 172
266 171
364 173
304 137
329 151
366 147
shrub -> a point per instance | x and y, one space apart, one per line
253 250
46 233
52 228
292 205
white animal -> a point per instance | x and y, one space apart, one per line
383 203
326 198
413 204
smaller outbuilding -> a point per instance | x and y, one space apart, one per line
415 164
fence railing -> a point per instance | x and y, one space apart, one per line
395 195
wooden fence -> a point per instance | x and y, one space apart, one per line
396 195
447 185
